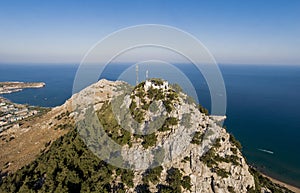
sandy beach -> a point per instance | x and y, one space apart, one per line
288 186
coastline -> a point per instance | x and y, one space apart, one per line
284 184
16 86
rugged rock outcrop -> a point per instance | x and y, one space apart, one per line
195 144
162 140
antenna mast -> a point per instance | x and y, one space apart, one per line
137 73
147 72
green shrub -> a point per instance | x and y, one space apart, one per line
230 189
152 175
165 189
145 106
174 179
164 128
221 172
185 159
197 138
217 143
208 158
235 142
203 109
142 188
168 105
186 182
127 176
149 140
157 81
234 150
169 122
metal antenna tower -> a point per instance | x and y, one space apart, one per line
137 73
147 72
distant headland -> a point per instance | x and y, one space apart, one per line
15 86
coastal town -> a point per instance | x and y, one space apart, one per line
11 113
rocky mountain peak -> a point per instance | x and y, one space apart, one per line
147 138
156 126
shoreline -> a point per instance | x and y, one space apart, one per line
284 184
15 86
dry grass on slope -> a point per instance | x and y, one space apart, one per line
20 146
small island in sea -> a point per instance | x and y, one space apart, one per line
15 86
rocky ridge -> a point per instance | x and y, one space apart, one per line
230 171
198 155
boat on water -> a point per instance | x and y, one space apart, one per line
267 151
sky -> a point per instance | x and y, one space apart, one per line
234 31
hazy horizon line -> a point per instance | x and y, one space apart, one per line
131 63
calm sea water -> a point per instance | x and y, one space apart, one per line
263 106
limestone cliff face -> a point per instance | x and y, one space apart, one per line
195 145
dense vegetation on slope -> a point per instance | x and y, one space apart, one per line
263 182
68 166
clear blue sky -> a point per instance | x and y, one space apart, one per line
256 31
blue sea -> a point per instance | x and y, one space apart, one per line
263 105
